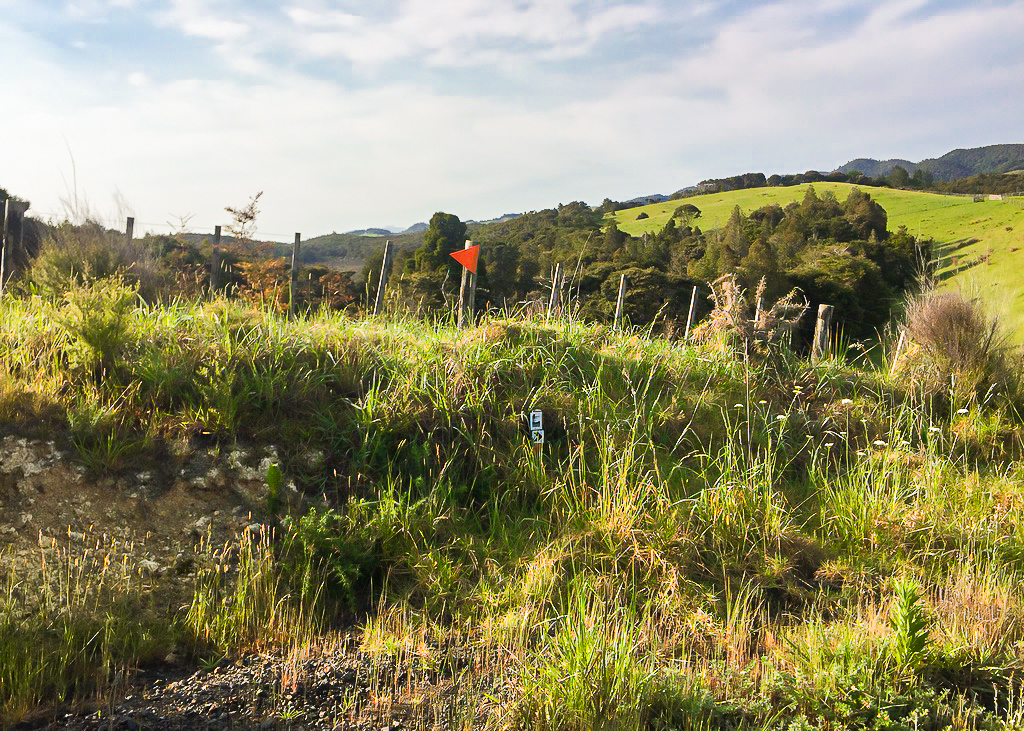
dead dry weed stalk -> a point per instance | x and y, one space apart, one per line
754 323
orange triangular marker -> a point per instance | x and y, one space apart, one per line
468 257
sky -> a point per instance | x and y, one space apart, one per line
378 113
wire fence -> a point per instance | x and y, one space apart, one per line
143 228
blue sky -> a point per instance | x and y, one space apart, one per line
352 114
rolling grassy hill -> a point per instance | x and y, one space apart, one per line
980 245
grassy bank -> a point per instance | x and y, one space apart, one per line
705 541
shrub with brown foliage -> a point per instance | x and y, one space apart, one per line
955 347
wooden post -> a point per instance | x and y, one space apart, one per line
471 308
215 261
556 292
129 229
899 349
467 294
692 313
618 303
3 241
382 283
821 333
293 300
21 226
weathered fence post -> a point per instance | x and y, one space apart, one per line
12 218
467 293
129 229
899 349
293 300
21 225
215 261
4 208
382 283
555 302
691 314
821 333
618 303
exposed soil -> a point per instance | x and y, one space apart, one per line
51 507
330 690
46 498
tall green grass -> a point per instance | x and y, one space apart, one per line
74 623
705 540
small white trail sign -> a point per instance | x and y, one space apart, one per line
537 428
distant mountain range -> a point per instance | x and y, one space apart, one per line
951 166
500 219
397 230
643 200
418 228
371 232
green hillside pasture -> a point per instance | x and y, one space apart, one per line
980 245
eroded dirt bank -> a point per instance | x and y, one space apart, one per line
159 523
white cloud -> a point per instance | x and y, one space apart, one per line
464 32
96 9
778 88
201 18
323 155
784 77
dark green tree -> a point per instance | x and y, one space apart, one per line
759 262
432 275
614 238
898 177
445 235
734 242
687 213
865 215
853 283
669 236
503 265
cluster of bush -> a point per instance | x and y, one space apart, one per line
836 253
51 260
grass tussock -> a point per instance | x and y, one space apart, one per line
958 348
